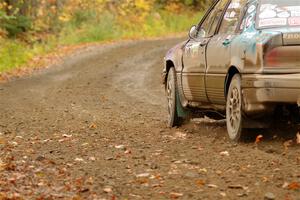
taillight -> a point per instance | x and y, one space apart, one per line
283 57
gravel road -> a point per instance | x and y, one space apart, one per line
93 127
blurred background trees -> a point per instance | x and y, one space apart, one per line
30 28
19 16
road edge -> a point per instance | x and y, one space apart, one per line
58 55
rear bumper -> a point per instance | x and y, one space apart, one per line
262 92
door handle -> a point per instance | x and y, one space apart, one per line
226 42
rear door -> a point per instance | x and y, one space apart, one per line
219 51
194 59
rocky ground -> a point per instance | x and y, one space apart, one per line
93 127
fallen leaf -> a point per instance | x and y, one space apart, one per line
109 158
224 153
200 183
84 190
107 189
203 170
63 140
243 194
14 143
127 152
67 136
235 187
265 179
180 135
78 159
200 149
178 162
136 196
294 186
143 175
212 186
270 196
2 141
93 126
258 139
92 158
2 165
156 185
285 185
120 147
143 181
223 194
219 172
175 195
45 141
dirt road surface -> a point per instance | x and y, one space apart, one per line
93 127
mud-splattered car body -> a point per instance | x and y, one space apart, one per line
263 48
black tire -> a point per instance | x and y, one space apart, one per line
234 112
172 99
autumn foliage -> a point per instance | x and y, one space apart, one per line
19 16
30 28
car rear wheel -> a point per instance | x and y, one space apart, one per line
234 117
172 97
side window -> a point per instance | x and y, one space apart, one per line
206 25
218 16
210 24
249 18
232 16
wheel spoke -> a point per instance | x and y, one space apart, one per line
234 111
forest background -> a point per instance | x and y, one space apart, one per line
31 28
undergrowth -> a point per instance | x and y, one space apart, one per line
86 28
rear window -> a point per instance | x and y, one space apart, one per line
278 13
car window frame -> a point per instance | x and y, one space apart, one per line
256 3
244 14
237 28
221 18
208 13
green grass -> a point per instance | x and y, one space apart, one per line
13 54
93 30
90 28
182 22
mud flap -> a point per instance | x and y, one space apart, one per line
181 112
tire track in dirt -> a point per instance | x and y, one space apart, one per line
94 127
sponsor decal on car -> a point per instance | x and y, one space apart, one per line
249 21
251 9
295 13
273 22
267 14
283 14
275 15
293 8
294 21
291 36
